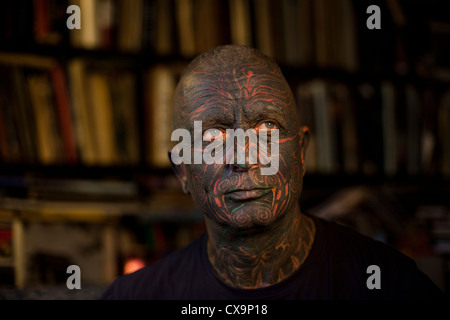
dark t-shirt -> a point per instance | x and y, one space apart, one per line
336 268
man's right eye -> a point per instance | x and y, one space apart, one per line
211 134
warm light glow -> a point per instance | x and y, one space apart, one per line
132 265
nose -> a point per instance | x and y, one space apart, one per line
241 166
242 156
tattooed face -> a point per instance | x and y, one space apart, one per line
251 95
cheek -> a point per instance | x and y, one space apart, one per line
202 180
295 170
290 172
198 191
296 178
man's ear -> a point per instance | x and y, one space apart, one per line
179 170
304 141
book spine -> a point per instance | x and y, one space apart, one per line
65 114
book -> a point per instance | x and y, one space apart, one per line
23 116
64 112
41 10
124 102
185 26
102 122
47 131
347 46
278 31
130 25
161 85
325 127
305 33
264 27
209 21
291 28
106 23
49 21
88 36
320 28
240 22
11 147
165 43
81 113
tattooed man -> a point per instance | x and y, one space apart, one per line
258 244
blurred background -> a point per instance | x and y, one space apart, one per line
85 127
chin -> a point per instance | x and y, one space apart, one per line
252 218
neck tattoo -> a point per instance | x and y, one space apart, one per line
264 259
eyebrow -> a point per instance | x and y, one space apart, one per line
259 110
259 115
212 117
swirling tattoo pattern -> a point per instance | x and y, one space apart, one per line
235 197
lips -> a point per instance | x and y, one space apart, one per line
240 195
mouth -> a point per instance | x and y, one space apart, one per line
241 195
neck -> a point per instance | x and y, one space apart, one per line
258 259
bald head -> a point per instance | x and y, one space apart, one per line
227 57
228 74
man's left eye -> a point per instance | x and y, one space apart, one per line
266 125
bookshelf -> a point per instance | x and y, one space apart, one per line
377 103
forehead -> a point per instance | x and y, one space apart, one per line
253 88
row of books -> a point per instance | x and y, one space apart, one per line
295 32
93 115
75 115
381 128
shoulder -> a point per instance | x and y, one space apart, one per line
158 280
347 249
350 242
